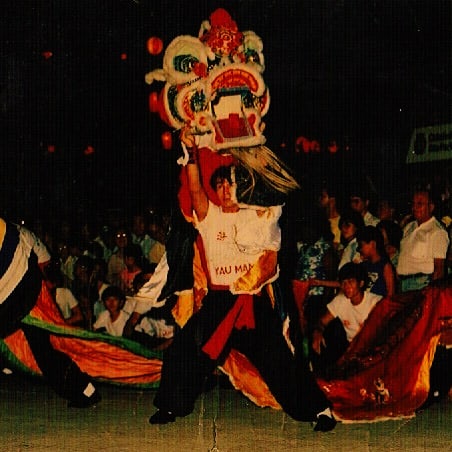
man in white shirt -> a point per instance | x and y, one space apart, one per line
423 247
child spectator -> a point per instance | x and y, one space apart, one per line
352 307
380 272
133 259
349 224
113 320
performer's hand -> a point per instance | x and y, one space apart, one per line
187 137
318 341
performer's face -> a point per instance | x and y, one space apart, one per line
224 190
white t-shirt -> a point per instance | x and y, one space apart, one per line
66 301
420 245
117 327
233 242
351 316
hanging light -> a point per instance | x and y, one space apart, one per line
303 144
167 140
88 150
154 102
154 45
333 147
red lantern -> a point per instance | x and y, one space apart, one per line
167 140
88 150
47 54
51 148
333 147
154 45
303 144
154 102
123 56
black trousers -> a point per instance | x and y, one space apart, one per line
58 369
186 366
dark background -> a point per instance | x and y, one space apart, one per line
364 73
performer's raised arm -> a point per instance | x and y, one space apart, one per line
198 195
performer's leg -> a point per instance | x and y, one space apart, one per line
61 372
185 365
288 377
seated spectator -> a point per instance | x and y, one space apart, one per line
158 233
352 307
104 239
64 298
317 261
114 318
93 250
68 252
98 285
133 259
385 210
328 202
116 263
359 202
350 223
140 280
380 272
81 288
139 235
424 245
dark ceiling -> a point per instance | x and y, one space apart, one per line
367 70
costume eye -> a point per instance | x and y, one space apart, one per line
181 56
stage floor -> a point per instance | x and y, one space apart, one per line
35 418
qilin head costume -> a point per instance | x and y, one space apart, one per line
214 86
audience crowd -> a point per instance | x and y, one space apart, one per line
352 249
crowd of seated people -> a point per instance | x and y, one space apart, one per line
93 273
375 258
98 268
